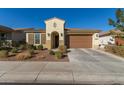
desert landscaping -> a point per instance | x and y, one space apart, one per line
26 52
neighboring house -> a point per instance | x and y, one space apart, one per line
55 35
106 38
10 34
111 38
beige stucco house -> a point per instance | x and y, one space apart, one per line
56 34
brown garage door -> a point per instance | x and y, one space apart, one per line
80 41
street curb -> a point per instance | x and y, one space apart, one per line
109 54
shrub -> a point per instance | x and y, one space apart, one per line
51 52
62 49
14 50
22 47
22 42
109 48
3 53
15 44
40 47
29 46
23 56
10 54
58 55
5 43
118 50
31 51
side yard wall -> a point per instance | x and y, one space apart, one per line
119 41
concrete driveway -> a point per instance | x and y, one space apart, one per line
86 66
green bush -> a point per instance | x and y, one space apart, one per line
58 55
51 52
40 47
3 53
15 44
62 48
29 46
22 42
14 50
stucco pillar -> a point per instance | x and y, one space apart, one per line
61 42
48 44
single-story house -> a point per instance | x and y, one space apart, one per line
110 38
56 34
9 34
106 38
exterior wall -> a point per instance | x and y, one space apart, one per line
106 40
9 36
43 38
18 36
95 40
50 28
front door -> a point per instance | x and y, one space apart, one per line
56 41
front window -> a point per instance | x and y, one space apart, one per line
2 36
37 38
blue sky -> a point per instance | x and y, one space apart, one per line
85 18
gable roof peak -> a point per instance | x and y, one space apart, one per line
54 18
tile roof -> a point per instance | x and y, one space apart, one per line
24 29
6 29
77 30
33 31
111 32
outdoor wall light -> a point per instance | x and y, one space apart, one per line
61 34
48 34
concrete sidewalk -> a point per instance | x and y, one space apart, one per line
53 73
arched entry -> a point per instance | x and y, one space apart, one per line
54 39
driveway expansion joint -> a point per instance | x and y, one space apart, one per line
11 69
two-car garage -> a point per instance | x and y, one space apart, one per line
80 40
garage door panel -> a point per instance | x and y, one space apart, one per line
80 41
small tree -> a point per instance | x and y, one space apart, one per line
119 22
